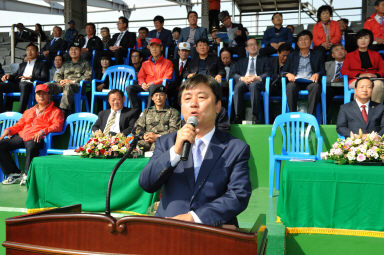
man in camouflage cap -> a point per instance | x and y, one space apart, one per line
68 78
157 120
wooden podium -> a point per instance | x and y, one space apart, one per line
68 231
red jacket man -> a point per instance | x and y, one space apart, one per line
29 133
152 73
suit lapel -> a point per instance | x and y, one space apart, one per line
371 111
107 112
214 151
332 70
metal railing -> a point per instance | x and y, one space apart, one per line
13 40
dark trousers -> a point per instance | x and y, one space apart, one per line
213 19
23 86
120 54
314 93
7 164
255 89
134 99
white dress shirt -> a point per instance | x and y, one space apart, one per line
182 61
175 159
86 41
117 43
249 65
366 105
29 69
116 125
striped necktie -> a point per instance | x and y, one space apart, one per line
109 124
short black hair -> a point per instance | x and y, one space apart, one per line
159 19
105 28
198 79
346 21
364 32
363 78
251 38
33 45
322 9
113 91
202 40
277 13
176 29
91 24
134 51
336 45
60 29
227 50
123 19
377 2
39 26
303 33
190 12
106 56
144 28
284 47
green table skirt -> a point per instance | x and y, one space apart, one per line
325 195
55 181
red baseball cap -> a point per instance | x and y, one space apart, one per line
42 87
155 40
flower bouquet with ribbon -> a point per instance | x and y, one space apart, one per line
100 145
358 149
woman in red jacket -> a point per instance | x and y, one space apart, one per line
365 63
326 32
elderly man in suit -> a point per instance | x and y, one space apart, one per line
205 63
361 113
22 80
51 48
117 119
193 33
249 75
303 70
121 41
333 67
212 185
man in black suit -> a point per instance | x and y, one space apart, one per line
51 48
180 65
304 65
160 32
347 35
120 42
91 42
22 80
205 63
22 35
117 119
277 64
249 75
361 113
236 34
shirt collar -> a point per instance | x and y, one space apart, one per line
32 62
360 104
206 139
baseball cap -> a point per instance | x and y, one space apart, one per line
42 87
184 46
71 22
155 40
158 89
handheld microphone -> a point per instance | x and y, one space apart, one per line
187 145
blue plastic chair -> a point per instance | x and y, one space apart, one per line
347 91
17 95
247 96
295 128
320 114
120 77
80 125
145 94
8 119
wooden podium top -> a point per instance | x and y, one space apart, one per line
54 232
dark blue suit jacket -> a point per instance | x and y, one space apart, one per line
263 68
165 37
316 60
200 33
351 119
270 36
221 191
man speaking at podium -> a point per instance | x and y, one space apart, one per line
212 185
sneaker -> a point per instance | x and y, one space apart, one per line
23 180
12 179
